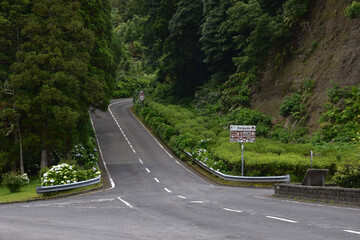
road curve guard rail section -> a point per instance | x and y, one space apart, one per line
62 187
272 179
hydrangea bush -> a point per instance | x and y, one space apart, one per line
85 154
206 157
65 174
15 182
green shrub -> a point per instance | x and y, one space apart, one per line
294 11
348 175
353 10
14 182
168 132
289 135
341 120
293 106
237 91
248 116
183 142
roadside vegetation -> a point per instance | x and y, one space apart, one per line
207 138
58 61
207 59
28 192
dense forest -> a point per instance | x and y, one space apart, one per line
57 62
288 66
61 59
223 57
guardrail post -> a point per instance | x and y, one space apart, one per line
242 159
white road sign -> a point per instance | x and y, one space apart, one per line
242 133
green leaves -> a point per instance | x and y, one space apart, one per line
342 119
353 10
61 60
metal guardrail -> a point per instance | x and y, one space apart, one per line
272 179
45 189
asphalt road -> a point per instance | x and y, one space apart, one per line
153 196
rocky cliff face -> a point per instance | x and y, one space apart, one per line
327 50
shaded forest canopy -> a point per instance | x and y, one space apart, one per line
282 58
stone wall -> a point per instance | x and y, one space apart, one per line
329 194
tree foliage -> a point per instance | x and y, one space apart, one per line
60 60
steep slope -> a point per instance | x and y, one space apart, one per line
327 50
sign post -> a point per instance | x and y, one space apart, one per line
241 134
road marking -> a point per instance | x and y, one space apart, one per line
141 161
202 202
127 204
350 231
122 132
305 203
157 180
102 157
168 152
147 170
167 190
154 138
182 197
232 210
282 219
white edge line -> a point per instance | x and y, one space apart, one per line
154 137
233 210
282 219
169 153
167 190
306 203
350 231
122 132
102 157
127 204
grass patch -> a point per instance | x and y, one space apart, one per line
28 193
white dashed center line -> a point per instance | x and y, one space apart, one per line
167 190
233 210
350 231
282 219
157 180
182 197
147 170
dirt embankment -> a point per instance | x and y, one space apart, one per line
328 50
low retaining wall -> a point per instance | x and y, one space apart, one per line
336 194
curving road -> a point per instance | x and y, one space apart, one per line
153 196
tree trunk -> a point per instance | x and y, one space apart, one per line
44 158
20 147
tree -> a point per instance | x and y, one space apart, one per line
217 41
60 73
182 61
12 16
